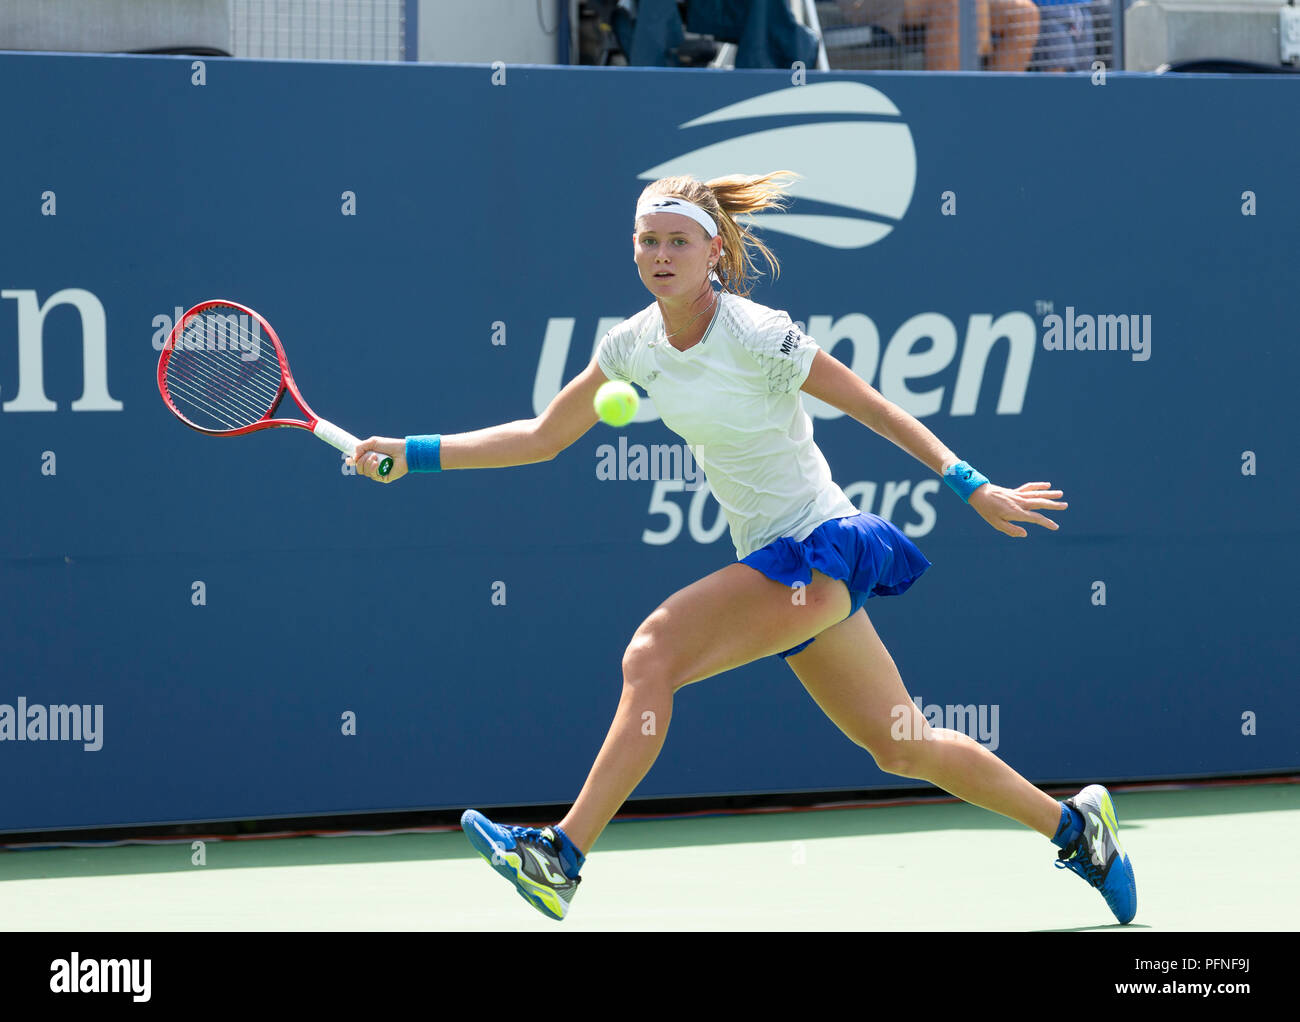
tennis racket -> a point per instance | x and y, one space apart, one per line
223 372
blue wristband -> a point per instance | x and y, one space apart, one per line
964 480
424 453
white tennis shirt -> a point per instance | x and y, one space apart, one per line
734 399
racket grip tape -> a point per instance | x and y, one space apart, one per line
345 442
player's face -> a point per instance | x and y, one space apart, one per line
673 254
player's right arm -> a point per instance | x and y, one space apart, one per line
569 415
571 412
524 442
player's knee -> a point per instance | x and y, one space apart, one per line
903 757
646 664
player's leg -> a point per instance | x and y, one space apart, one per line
852 677
729 618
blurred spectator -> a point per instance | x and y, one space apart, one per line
765 32
652 34
1067 37
649 31
1006 30
1015 26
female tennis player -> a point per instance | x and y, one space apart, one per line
725 374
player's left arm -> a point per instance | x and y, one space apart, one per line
832 381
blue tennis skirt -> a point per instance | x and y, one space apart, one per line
864 551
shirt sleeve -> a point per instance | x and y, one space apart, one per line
611 357
783 352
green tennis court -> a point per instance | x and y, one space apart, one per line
1207 858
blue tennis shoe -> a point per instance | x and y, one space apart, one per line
1096 854
531 859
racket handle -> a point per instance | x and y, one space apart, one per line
346 442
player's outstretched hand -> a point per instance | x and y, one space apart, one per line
369 453
1000 506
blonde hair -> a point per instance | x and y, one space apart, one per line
724 198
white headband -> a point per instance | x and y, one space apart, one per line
669 204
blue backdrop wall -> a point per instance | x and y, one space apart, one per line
441 247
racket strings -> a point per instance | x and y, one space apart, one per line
212 394
199 407
256 402
221 387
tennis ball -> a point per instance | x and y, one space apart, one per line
616 403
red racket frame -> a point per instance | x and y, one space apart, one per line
328 429
286 376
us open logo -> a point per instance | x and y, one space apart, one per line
851 145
